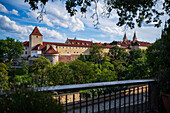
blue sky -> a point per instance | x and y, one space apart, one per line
17 21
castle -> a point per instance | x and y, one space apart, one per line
72 48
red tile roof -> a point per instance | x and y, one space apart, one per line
64 44
79 42
36 32
39 47
144 43
51 50
26 43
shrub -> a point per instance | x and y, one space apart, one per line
29 102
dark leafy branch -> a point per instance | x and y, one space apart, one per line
130 12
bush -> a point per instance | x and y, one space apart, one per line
29 102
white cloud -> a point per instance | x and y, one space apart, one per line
34 14
58 16
15 12
4 10
51 34
23 32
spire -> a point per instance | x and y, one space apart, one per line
36 31
124 38
134 37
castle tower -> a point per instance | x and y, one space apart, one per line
35 38
124 38
134 37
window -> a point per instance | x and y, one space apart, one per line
72 42
77 52
36 36
25 52
86 43
82 43
63 47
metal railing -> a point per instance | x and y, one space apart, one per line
128 96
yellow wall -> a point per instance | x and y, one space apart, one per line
73 50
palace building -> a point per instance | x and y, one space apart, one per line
72 48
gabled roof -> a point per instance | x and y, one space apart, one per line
51 50
26 43
39 47
36 32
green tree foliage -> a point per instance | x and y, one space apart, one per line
117 53
81 71
108 72
39 69
29 102
96 54
4 83
10 49
138 69
135 54
129 11
118 57
61 74
158 55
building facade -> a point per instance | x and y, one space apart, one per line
72 48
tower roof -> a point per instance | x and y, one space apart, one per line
36 32
134 37
124 38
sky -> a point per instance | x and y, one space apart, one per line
17 21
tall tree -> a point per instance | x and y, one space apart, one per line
135 54
61 74
118 57
117 53
39 69
96 54
10 49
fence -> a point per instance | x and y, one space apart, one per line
129 96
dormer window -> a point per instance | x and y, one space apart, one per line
77 42
82 43
86 43
72 42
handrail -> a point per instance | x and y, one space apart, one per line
93 85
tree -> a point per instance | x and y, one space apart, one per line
96 54
158 55
10 49
108 72
39 69
117 53
4 83
138 69
129 11
81 71
118 57
61 74
135 54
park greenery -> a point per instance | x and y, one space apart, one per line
117 64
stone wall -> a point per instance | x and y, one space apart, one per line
67 58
